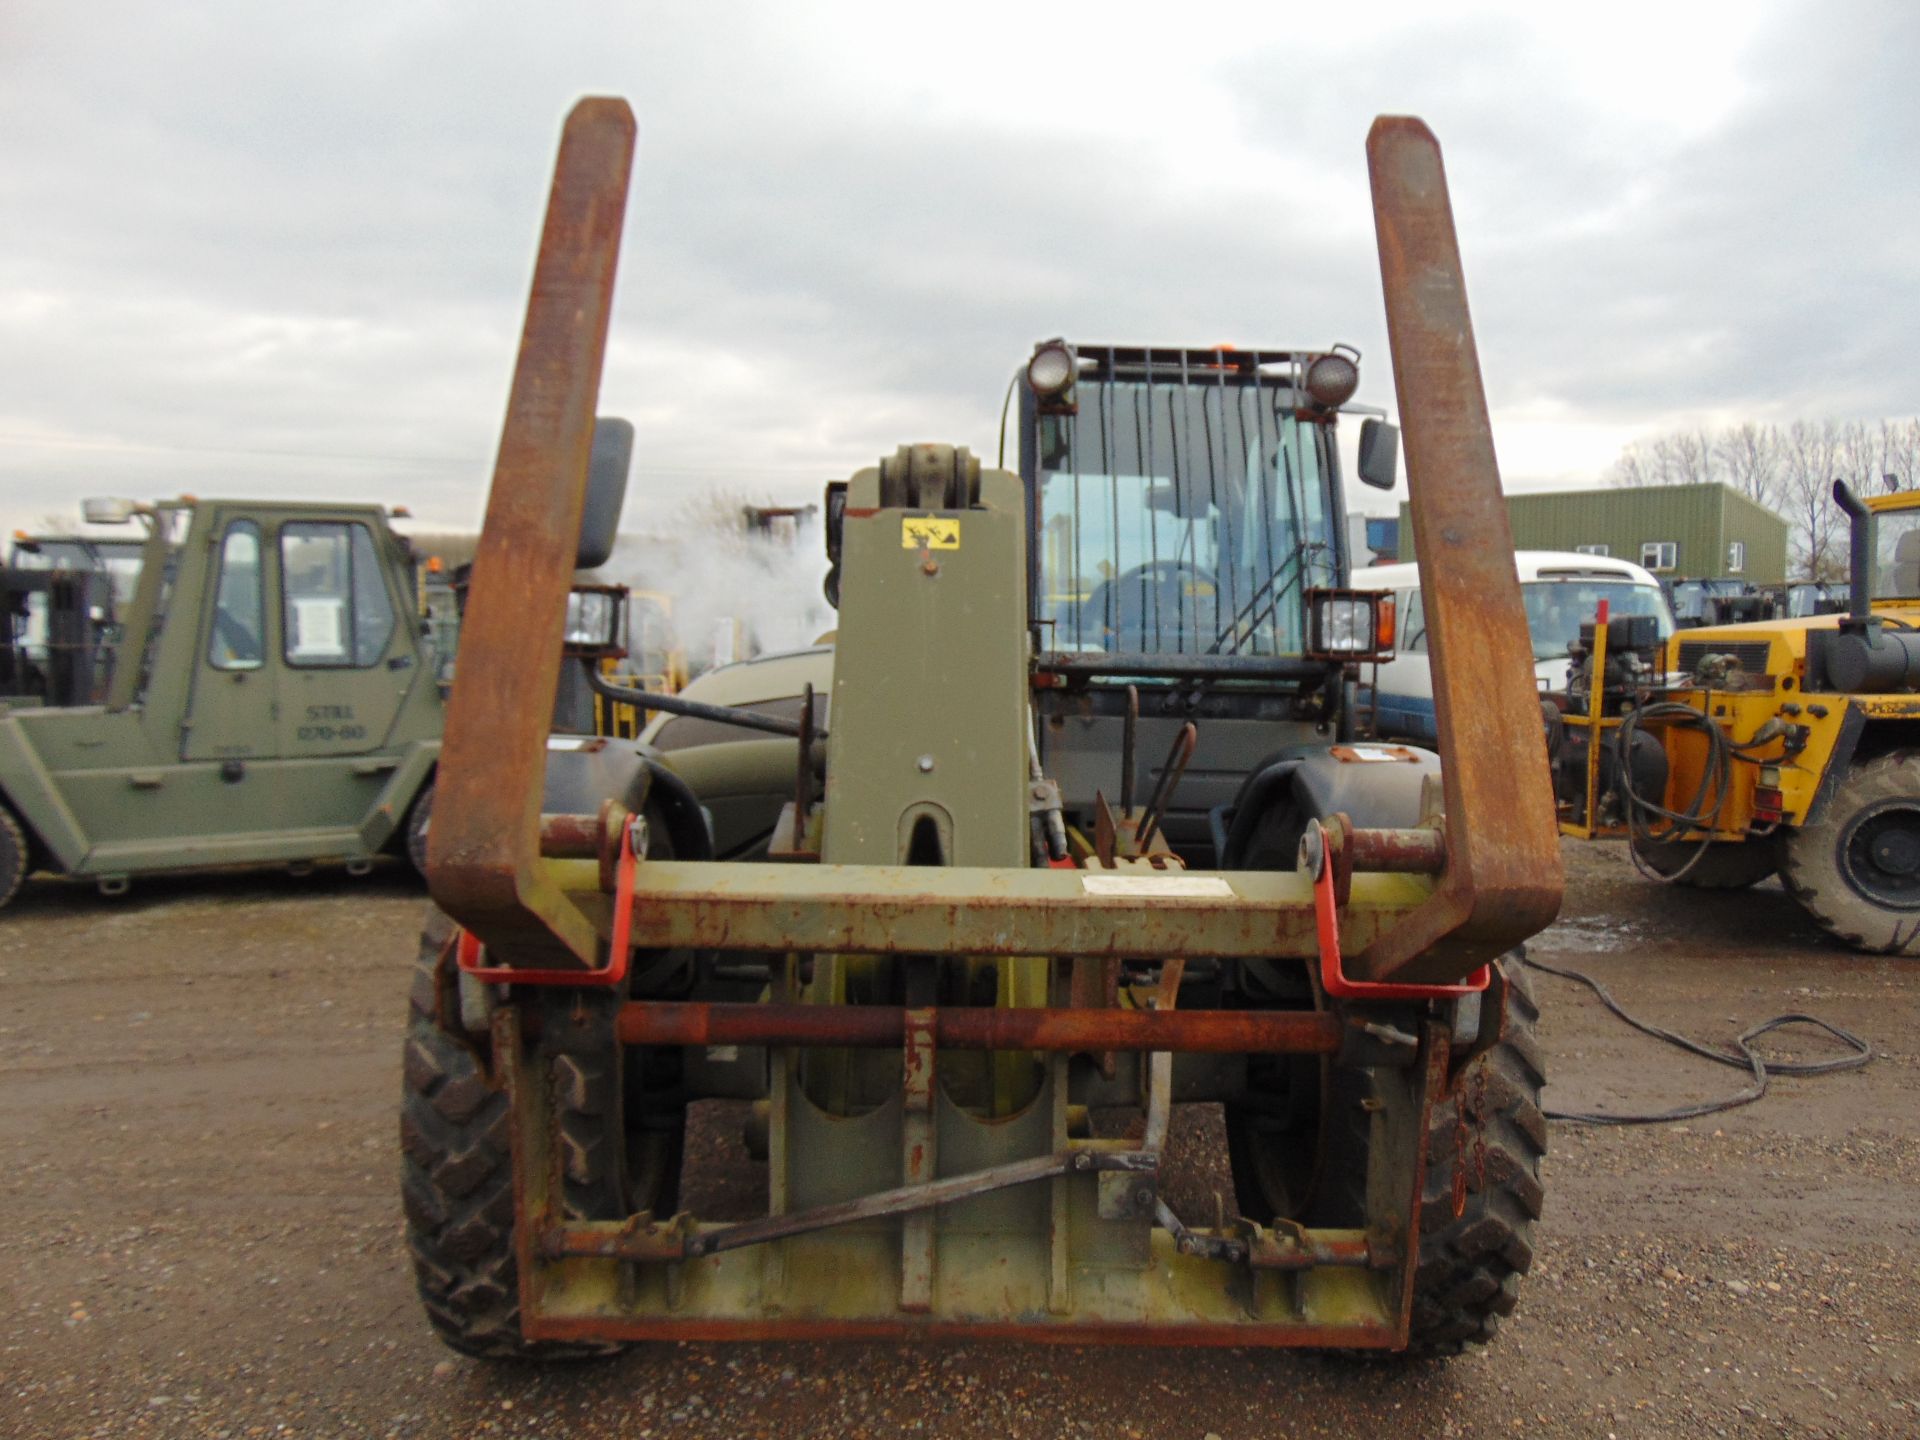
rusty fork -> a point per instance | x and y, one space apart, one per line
1502 881
484 848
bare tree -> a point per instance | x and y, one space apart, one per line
1812 455
1749 457
1900 451
1789 470
1686 457
1634 468
1860 457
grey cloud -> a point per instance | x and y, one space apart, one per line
260 252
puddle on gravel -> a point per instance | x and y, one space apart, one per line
1590 935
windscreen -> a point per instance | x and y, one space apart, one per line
1896 536
1184 517
1556 609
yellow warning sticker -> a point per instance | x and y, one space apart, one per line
930 532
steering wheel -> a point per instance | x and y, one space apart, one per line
242 645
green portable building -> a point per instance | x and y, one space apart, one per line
1681 532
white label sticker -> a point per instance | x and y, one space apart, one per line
317 629
1373 753
1210 887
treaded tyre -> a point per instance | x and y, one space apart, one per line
416 828
13 856
1856 870
1727 865
457 1175
1470 1264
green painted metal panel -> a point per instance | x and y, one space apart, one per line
930 682
1763 533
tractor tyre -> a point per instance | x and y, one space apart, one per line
1471 1259
416 828
14 850
1856 869
1306 1159
1727 865
457 1174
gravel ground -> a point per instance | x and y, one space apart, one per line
202 1230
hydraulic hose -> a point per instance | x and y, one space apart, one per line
698 709
1716 779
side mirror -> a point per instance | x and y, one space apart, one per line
606 491
1379 454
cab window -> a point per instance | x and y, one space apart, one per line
1413 623
239 619
335 606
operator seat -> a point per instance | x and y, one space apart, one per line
1903 575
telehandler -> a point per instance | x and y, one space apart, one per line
966 1030
1733 752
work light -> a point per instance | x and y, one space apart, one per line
1050 375
1349 625
1333 377
591 617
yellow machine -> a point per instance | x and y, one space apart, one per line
1788 746
654 662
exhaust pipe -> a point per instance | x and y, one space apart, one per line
1860 542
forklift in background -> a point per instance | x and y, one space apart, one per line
273 697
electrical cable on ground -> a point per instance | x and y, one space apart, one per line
1744 1057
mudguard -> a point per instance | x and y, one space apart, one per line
1377 786
582 771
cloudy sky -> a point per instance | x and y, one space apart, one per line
283 250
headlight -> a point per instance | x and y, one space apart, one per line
590 618
1345 626
1050 375
1350 624
1332 378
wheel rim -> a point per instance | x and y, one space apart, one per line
1880 855
1281 1150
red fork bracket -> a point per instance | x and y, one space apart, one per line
471 955
1326 914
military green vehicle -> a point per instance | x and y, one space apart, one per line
964 1031
275 697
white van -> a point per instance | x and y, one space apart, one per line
1561 590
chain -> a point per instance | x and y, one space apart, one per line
1459 1153
1480 1127
1471 1095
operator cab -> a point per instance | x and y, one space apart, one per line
1184 503
1896 545
1185 524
